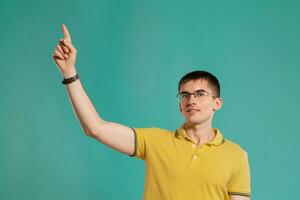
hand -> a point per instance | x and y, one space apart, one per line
65 54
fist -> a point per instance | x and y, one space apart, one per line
65 53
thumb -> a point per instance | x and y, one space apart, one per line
69 45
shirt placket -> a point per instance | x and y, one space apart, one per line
195 157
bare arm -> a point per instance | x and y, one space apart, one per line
237 197
116 136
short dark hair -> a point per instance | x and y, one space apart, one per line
204 75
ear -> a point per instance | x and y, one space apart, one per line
180 109
218 102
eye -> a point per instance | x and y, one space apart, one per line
200 94
184 96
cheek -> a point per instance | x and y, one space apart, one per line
181 106
208 106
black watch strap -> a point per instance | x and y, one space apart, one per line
70 80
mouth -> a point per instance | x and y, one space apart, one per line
192 110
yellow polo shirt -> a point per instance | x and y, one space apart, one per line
177 169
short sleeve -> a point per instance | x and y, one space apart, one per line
141 140
239 183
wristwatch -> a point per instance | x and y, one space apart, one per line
70 80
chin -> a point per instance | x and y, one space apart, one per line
194 120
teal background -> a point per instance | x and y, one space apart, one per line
131 55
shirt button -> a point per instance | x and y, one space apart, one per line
195 157
193 145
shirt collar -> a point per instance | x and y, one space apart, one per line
218 140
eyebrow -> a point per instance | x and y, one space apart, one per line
201 90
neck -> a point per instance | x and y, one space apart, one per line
199 133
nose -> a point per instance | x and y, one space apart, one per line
192 99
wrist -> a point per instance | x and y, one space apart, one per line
70 80
69 73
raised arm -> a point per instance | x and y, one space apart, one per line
116 136
237 197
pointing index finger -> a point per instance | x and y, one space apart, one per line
67 35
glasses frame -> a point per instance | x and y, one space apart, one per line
180 99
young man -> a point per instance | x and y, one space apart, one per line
194 162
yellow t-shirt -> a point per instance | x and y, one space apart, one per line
177 169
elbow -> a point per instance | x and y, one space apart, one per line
93 132
88 132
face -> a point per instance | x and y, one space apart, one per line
198 110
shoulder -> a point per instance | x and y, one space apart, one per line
234 152
153 131
234 147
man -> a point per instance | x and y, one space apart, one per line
194 162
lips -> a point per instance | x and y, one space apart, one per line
191 110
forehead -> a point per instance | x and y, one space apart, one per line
194 85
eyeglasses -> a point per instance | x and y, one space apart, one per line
199 94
